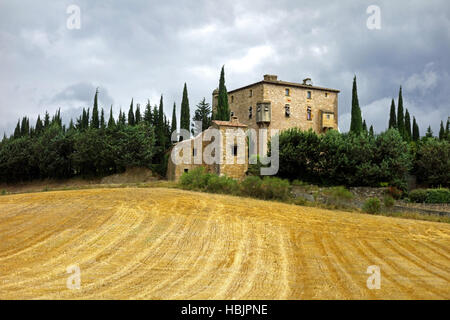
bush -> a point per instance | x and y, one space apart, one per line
222 184
195 179
299 183
441 195
251 186
388 201
275 188
339 194
4 192
372 205
418 196
432 164
395 192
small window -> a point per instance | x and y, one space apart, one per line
308 114
328 116
250 112
258 108
326 94
232 98
231 114
287 111
194 152
250 94
308 94
234 150
186 170
287 92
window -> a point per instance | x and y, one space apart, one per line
232 98
186 170
231 114
326 94
328 116
308 114
234 150
250 112
250 94
308 94
194 152
287 92
287 111
258 108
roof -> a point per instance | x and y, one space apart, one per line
232 123
285 84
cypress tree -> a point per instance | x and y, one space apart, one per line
223 110
442 131
161 113
429 133
407 126
415 130
356 121
86 121
155 116
131 115
364 126
447 130
102 120
46 120
17 130
95 121
71 126
392 116
173 125
111 121
202 114
400 116
39 125
148 113
185 118
138 118
371 133
24 128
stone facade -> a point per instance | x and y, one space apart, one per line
282 105
232 145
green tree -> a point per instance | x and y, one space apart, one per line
138 117
400 115
223 110
185 118
102 120
415 130
95 123
442 131
173 126
39 127
429 133
131 121
356 120
408 133
364 126
392 116
148 114
111 121
203 115
371 133
432 165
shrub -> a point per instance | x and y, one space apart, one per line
339 194
441 195
438 196
195 179
222 184
418 195
3 192
275 188
431 164
372 205
394 192
251 186
299 183
388 201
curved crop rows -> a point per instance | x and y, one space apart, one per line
174 244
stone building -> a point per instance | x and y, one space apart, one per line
276 104
232 144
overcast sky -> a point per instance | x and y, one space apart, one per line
142 49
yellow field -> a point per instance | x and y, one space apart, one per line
173 244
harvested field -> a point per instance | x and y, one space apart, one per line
171 244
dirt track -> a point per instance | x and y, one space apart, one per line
173 244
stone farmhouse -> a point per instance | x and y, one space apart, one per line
267 104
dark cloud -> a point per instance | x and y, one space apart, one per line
143 49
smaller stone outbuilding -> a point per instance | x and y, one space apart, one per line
220 149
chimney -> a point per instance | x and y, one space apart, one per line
270 77
234 120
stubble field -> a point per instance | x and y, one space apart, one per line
158 243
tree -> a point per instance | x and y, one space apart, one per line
400 116
408 133
47 119
202 114
138 117
17 132
185 118
429 133
415 130
102 120
111 121
356 121
95 123
364 127
39 127
223 110
432 165
371 133
442 131
173 124
131 115
392 116
148 114
447 130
